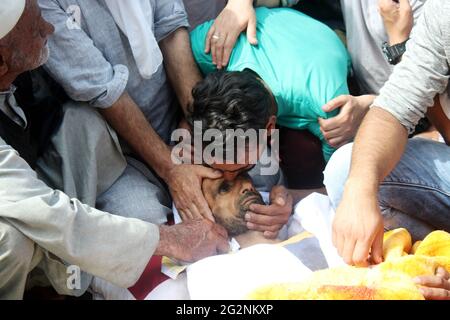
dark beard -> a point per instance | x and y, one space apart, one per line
237 224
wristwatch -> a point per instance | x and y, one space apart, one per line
394 53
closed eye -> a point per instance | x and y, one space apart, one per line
225 187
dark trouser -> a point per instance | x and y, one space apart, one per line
302 159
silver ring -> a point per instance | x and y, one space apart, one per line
216 37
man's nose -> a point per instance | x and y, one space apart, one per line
247 186
230 176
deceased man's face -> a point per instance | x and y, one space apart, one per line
230 200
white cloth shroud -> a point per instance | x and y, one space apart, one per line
234 276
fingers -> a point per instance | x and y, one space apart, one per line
347 251
361 253
251 31
435 287
196 214
338 142
336 103
279 195
441 272
340 242
327 125
435 293
333 133
433 282
208 40
265 220
201 208
208 173
219 48
185 214
227 49
272 210
377 248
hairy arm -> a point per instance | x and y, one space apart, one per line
181 68
130 123
358 226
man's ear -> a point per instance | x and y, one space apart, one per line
3 66
271 125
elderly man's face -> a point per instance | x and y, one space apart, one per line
230 200
25 47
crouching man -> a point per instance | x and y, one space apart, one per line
45 228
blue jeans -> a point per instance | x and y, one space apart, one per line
416 195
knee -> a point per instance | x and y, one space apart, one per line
16 249
336 173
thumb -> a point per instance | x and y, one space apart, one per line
280 201
278 196
335 103
208 172
251 31
377 248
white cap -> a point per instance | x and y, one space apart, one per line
10 13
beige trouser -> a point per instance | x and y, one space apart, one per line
18 257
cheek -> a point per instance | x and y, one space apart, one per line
226 207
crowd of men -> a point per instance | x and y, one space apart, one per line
92 92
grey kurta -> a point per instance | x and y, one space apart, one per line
68 229
43 227
95 64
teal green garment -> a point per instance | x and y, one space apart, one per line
302 60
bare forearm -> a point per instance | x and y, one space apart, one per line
181 68
379 145
130 123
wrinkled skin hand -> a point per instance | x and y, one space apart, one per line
358 228
398 19
185 184
435 287
192 240
270 219
342 128
238 16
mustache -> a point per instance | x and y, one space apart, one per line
256 199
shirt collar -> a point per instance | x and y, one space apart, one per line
8 105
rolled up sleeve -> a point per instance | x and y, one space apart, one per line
77 65
423 71
169 17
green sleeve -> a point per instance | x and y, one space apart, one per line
198 38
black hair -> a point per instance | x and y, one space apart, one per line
232 100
